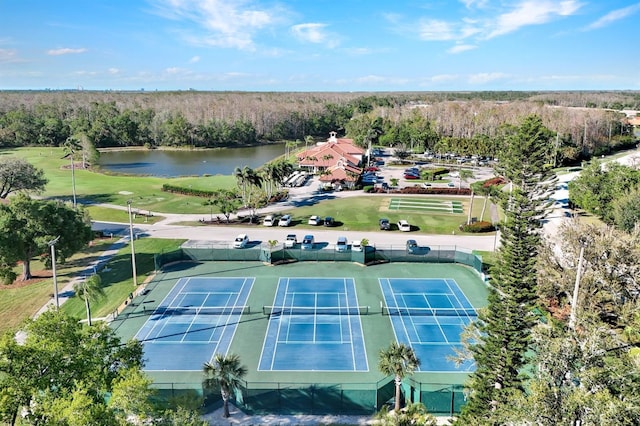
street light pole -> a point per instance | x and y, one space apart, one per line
576 287
52 244
133 252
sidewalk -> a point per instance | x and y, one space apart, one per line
67 291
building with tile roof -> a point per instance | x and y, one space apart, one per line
336 160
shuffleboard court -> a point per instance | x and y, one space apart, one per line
197 319
429 315
426 205
314 325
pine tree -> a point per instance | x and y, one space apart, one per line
504 327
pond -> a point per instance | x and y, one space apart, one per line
188 163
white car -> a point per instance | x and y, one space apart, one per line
241 241
269 221
291 241
356 245
342 244
404 226
315 220
285 220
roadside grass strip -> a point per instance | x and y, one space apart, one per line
439 206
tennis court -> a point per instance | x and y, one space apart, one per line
196 319
309 333
429 315
314 325
426 205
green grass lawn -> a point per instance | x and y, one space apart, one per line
21 302
362 214
117 279
144 191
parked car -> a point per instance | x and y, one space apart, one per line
356 245
285 220
412 246
291 241
385 225
372 169
426 185
342 244
329 221
404 226
410 176
314 220
241 241
307 242
269 220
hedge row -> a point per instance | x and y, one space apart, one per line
420 190
476 227
187 191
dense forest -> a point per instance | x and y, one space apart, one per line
586 123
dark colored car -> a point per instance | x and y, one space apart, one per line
385 225
328 221
412 246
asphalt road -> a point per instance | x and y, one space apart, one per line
310 193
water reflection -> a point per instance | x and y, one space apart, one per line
188 163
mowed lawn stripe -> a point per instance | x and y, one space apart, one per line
453 207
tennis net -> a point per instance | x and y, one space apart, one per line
315 310
203 310
435 312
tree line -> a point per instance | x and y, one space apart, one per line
585 124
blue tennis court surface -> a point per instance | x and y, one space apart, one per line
429 315
197 319
314 325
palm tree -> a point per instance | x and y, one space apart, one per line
398 360
225 372
241 177
465 175
89 289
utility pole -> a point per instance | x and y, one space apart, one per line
52 244
133 252
576 287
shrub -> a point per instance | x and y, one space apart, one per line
7 276
477 227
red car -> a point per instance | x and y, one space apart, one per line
372 169
410 176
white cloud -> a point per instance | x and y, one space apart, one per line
482 78
113 71
194 59
226 23
8 55
458 48
314 33
614 15
434 30
532 12
440 78
65 51
474 3
176 71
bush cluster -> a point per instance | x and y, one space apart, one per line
187 191
477 227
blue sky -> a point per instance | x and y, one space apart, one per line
320 45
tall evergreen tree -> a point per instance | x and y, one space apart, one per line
504 327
